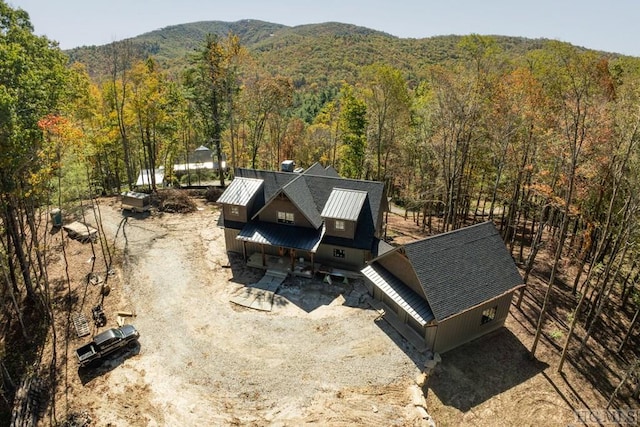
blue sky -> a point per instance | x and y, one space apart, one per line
610 25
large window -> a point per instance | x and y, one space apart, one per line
339 225
285 217
488 315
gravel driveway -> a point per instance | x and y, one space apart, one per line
319 356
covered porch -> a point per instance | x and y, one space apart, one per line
282 247
286 264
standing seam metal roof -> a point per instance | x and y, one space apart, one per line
287 236
411 302
344 204
320 188
240 191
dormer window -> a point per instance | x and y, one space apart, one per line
234 210
285 217
339 225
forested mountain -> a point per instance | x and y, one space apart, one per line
539 136
316 53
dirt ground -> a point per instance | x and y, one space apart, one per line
319 357
322 355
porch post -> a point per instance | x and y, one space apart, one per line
264 258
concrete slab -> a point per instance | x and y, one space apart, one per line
259 296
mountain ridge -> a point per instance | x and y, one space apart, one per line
321 53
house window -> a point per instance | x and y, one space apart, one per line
285 217
488 315
235 210
339 225
338 253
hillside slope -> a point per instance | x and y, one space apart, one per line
324 53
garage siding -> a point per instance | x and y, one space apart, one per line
467 326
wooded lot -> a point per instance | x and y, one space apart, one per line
541 138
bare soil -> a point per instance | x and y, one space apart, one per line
321 356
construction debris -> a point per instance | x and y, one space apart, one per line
81 232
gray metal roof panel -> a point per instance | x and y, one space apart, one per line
463 268
400 293
240 191
344 204
273 180
287 236
320 188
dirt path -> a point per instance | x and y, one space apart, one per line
319 356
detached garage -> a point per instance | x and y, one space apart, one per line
446 290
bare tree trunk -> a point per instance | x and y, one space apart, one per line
556 259
535 247
604 297
14 300
629 372
628 334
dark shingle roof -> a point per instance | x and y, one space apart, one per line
319 189
463 268
273 181
298 192
318 170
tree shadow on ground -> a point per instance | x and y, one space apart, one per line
89 373
127 213
477 371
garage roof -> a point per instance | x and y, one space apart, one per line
408 300
463 268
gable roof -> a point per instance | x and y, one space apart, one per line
273 181
463 268
314 169
240 191
319 189
344 204
298 192
317 169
